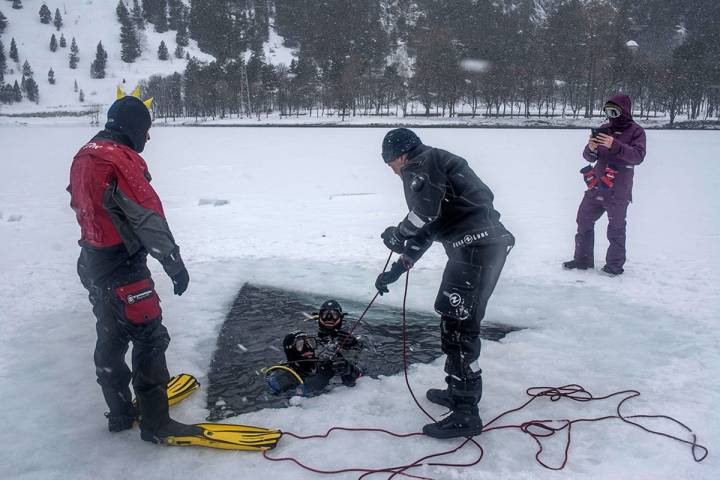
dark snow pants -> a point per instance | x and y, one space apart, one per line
127 310
593 205
468 282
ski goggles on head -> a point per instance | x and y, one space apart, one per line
612 111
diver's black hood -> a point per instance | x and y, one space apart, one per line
129 118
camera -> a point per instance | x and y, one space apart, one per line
597 131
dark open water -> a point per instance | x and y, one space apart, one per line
251 339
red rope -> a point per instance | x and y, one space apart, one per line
536 429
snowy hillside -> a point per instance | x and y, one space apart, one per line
89 22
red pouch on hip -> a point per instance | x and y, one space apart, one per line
140 301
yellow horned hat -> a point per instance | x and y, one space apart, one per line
135 93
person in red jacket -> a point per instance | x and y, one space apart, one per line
121 220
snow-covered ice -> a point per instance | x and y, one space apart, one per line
291 221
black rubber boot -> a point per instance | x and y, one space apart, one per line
576 265
440 397
170 429
154 416
118 423
457 424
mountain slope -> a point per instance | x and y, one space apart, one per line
89 22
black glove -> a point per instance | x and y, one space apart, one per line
180 281
393 240
391 276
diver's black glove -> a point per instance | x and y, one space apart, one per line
393 239
180 281
391 276
175 268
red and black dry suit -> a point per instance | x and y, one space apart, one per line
449 203
122 220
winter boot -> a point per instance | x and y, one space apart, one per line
171 428
440 397
575 264
118 423
612 271
460 423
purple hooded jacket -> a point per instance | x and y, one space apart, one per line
628 149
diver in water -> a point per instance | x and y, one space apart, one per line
310 367
330 320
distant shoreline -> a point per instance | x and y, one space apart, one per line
421 125
95 117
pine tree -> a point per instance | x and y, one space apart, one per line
63 42
74 54
17 4
22 83
17 93
31 90
122 12
161 20
3 63
3 23
182 37
45 14
6 93
81 96
14 51
53 43
130 45
51 76
179 51
147 9
137 16
163 51
27 70
58 21
97 69
75 87
175 12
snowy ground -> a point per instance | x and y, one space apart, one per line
653 329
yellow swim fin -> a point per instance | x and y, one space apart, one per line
179 388
229 437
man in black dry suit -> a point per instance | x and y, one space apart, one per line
450 204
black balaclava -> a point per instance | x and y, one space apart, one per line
398 142
304 359
130 118
330 305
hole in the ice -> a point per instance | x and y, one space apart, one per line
251 339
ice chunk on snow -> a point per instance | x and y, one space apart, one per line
215 202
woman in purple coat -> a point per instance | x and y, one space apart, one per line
615 155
